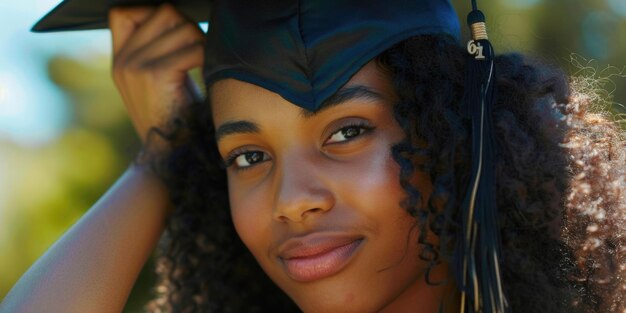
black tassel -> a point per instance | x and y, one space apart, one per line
479 248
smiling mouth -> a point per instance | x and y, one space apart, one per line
309 262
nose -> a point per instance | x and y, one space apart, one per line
301 191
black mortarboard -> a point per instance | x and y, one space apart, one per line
93 14
306 50
303 50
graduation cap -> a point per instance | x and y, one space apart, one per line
93 14
306 50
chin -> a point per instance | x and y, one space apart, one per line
337 295
331 305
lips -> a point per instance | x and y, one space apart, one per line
317 256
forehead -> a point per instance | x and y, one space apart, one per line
231 99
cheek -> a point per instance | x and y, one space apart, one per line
249 211
371 184
371 188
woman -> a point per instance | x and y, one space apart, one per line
351 207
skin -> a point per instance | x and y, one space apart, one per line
310 177
153 49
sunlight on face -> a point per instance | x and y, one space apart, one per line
315 196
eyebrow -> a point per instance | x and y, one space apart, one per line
236 127
343 95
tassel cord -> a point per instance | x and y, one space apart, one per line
480 246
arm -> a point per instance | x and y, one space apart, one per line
93 267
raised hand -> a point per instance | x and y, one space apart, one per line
153 50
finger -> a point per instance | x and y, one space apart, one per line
124 21
164 18
172 40
181 60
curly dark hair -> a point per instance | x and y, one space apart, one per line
561 190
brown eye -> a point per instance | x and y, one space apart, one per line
351 132
347 133
250 158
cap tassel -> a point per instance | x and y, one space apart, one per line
478 251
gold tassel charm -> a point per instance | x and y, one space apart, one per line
479 31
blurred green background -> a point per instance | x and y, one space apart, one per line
65 137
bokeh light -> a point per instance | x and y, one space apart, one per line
598 33
32 110
618 6
522 4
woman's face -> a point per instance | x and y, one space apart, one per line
315 196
